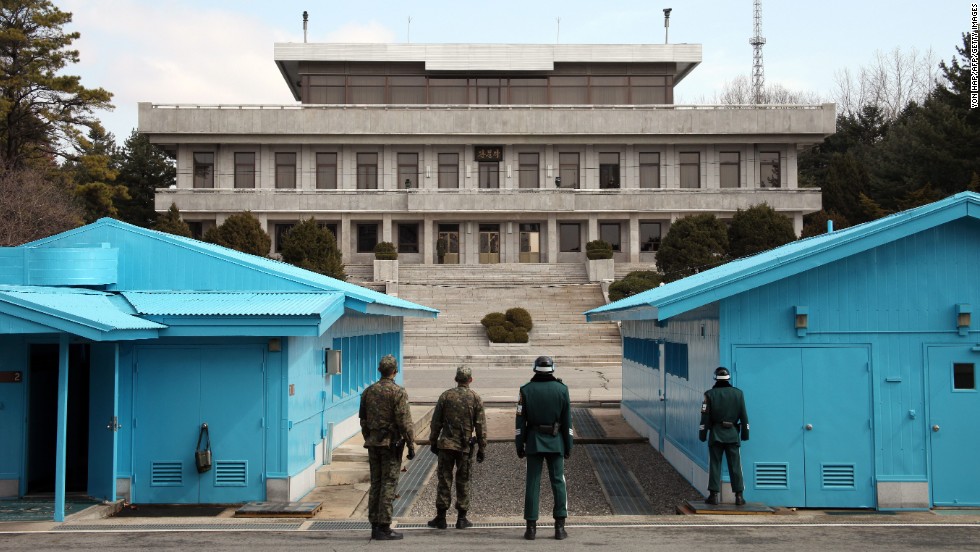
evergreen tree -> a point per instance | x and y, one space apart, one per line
40 109
815 224
143 167
241 232
756 229
693 244
171 223
94 173
313 247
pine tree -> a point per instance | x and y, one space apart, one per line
756 229
143 167
94 174
241 232
693 244
171 223
313 247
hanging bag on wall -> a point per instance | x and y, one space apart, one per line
202 456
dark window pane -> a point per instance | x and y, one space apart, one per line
568 170
608 170
690 170
529 91
281 231
203 170
367 90
964 376
448 91
528 170
449 170
408 170
326 171
769 169
649 236
367 237
367 171
729 169
408 238
569 238
285 170
244 170
649 170
609 233
489 175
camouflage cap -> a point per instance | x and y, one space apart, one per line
388 365
463 374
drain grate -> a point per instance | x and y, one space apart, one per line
339 526
585 424
477 525
412 481
620 486
149 527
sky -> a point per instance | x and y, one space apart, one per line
221 51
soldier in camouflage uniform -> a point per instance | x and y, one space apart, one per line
724 424
386 424
458 414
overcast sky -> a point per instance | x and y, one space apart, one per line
220 51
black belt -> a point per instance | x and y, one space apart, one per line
552 429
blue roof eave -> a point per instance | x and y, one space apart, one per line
89 329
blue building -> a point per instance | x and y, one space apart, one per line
857 353
118 343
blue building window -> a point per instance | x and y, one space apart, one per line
675 359
359 367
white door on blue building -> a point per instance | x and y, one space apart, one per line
177 390
811 439
954 405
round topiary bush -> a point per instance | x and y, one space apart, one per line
598 249
520 317
385 251
519 335
493 319
498 334
635 282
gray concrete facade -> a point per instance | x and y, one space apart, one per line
628 134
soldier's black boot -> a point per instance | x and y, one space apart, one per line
376 532
532 529
560 533
712 498
739 500
386 533
438 522
461 521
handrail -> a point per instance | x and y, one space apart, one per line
477 107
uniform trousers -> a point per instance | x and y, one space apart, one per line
462 463
732 452
385 470
532 487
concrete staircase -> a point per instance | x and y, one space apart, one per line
556 295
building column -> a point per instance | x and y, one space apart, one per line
62 431
634 239
386 227
346 237
427 247
552 247
593 228
798 224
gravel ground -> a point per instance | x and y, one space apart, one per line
497 487
664 487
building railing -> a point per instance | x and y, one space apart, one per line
476 191
481 107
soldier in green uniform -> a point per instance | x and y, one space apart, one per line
386 424
723 419
457 416
543 433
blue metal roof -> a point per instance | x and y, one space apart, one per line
359 298
83 312
256 303
750 272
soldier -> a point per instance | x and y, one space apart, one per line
544 434
722 417
386 424
458 414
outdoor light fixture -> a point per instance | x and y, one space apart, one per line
666 23
963 318
802 320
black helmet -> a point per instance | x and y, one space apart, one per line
721 373
544 364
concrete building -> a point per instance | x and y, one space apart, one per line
120 342
857 352
506 152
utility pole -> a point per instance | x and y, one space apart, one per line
758 74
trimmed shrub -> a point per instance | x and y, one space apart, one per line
519 335
498 334
493 319
520 317
598 249
635 282
241 232
385 251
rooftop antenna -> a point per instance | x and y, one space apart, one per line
558 32
410 29
306 18
666 23
758 75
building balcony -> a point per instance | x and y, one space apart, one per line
513 124
435 201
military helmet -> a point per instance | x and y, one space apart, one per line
544 364
463 374
721 373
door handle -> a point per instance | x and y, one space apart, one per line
808 427
935 428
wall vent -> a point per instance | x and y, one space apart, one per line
231 473
167 474
771 476
837 476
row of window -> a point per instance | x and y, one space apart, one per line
528 170
569 236
553 90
